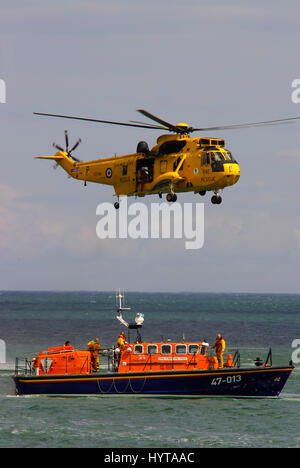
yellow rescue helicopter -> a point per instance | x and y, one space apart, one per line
177 163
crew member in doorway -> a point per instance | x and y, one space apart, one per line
219 345
94 348
144 176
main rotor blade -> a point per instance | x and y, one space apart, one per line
252 124
148 124
155 127
160 121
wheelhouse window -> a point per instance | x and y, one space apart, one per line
124 170
138 349
180 349
193 348
152 349
165 349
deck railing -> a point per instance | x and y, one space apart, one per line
23 366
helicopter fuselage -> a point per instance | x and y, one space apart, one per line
177 163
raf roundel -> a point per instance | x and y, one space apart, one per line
108 172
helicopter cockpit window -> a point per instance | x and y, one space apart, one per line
219 156
230 157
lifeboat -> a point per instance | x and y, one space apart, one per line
132 367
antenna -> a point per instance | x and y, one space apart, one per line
120 301
120 307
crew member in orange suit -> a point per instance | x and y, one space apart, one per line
94 348
220 345
122 341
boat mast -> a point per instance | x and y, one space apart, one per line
120 308
139 319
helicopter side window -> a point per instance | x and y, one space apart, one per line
173 146
176 163
205 159
124 170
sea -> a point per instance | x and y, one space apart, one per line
251 323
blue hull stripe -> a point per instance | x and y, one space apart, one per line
238 382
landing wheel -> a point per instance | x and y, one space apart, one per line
171 197
216 199
117 205
202 192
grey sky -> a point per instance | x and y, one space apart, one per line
201 62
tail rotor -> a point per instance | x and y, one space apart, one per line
66 150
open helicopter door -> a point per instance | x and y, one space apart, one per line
144 173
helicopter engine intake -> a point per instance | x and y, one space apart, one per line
142 147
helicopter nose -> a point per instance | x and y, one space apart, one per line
232 172
232 169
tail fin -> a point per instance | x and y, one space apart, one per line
62 159
55 158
